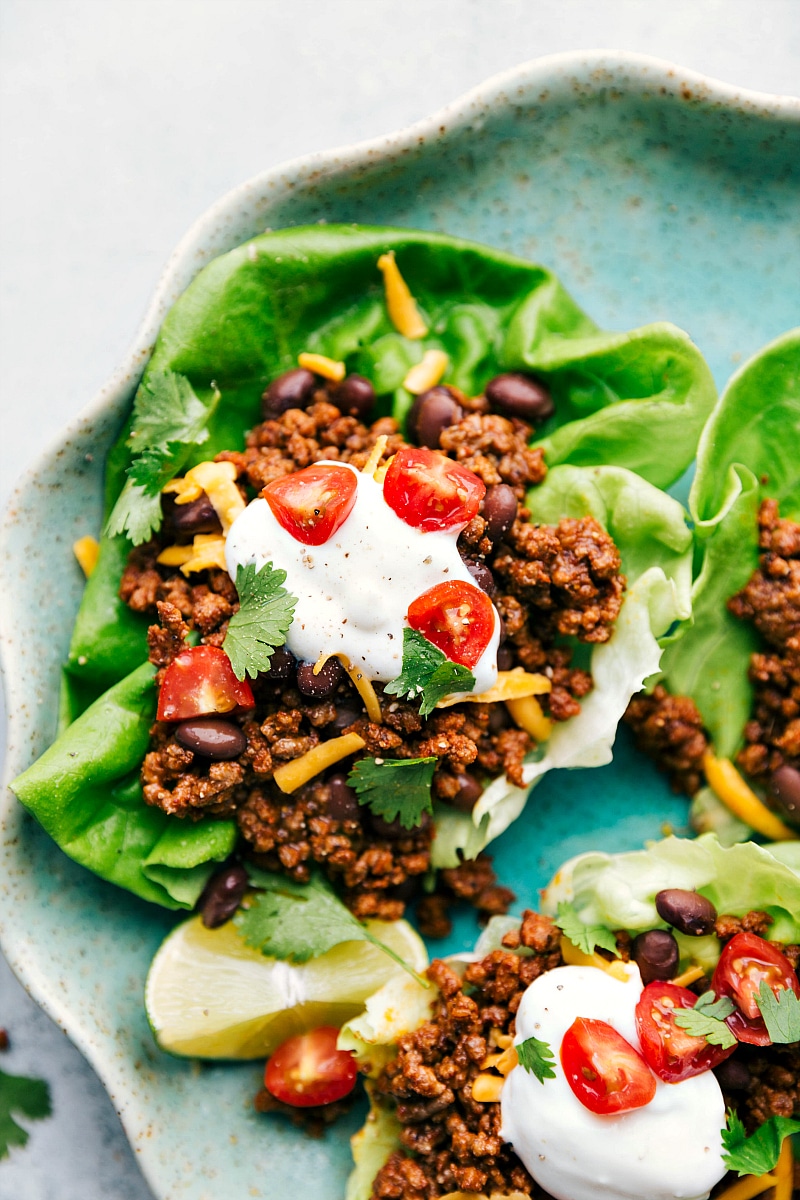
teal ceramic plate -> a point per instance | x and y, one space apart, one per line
654 194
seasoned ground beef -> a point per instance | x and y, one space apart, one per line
313 1120
451 1141
669 729
545 581
771 601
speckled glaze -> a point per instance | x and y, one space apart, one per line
654 193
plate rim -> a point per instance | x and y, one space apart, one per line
632 72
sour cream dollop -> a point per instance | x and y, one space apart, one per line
353 592
670 1149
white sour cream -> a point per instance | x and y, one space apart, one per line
353 592
671 1149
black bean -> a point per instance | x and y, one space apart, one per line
688 912
342 799
199 516
656 955
355 397
324 683
343 718
499 716
409 889
785 788
505 658
221 896
470 791
517 395
282 665
432 412
294 389
395 831
733 1075
211 737
499 510
482 575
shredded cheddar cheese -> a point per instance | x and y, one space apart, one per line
750 1186
511 685
486 1088
86 550
784 1173
184 490
380 474
206 551
217 480
527 714
403 311
375 455
576 958
294 774
427 373
364 688
690 975
729 786
483 1196
503 1062
328 368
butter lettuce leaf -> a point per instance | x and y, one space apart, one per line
636 400
85 792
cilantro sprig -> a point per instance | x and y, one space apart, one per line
169 419
395 788
295 922
537 1058
707 1020
262 622
584 936
428 673
26 1097
759 1153
781 1013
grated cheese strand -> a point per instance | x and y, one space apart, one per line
184 490
690 975
86 551
527 714
328 368
747 1188
403 311
217 480
294 774
375 456
784 1172
511 685
207 550
364 688
486 1089
574 957
729 787
427 373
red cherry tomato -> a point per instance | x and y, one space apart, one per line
457 617
673 1053
604 1071
313 503
200 681
429 491
309 1070
744 964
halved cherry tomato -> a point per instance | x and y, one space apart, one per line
746 962
604 1071
673 1053
200 681
313 503
309 1070
457 617
429 491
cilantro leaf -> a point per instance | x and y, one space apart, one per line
585 937
781 1013
707 1019
21 1095
427 672
759 1153
536 1057
395 787
262 622
168 420
296 922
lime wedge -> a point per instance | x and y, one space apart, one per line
210 995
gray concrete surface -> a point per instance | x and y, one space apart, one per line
120 122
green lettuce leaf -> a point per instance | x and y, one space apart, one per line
371 1147
618 890
748 451
636 400
85 792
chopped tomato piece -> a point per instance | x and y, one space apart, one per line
200 681
313 503
746 962
309 1070
673 1053
429 491
457 617
604 1071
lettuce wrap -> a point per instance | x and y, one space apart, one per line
628 410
